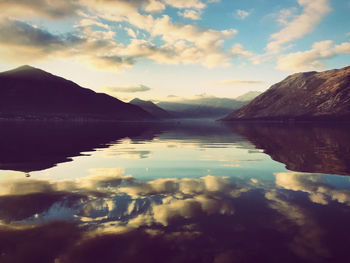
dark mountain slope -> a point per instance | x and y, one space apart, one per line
151 108
27 92
302 96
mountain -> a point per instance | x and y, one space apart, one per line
206 107
152 108
302 96
249 96
31 93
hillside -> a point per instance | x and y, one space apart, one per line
31 93
302 96
151 108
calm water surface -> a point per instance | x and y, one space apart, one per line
174 192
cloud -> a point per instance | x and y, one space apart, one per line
127 89
43 8
242 14
233 82
22 42
94 41
191 14
239 51
130 32
312 59
154 6
285 15
181 4
313 12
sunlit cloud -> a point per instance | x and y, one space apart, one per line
231 83
313 59
191 14
313 12
183 43
126 89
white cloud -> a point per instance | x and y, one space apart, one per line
181 4
127 89
191 14
242 14
238 51
313 12
154 6
313 59
130 32
232 82
96 41
285 15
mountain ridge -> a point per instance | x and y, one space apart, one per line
151 108
305 96
31 93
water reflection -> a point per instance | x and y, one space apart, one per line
303 148
238 206
215 219
36 146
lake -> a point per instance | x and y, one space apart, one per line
182 191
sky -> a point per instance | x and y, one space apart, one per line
171 49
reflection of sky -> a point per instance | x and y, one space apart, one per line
188 194
108 202
169 157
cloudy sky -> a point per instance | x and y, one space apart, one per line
155 48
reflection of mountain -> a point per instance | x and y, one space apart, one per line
32 93
33 146
37 146
302 96
303 148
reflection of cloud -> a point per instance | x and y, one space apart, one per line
108 195
319 192
126 153
194 207
307 239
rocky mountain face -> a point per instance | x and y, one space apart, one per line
30 93
152 108
302 96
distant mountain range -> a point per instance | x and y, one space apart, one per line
206 107
31 93
308 96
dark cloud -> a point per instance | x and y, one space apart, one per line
20 33
44 8
23 42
